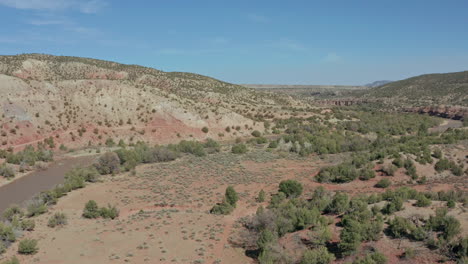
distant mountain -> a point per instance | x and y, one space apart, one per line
377 83
428 89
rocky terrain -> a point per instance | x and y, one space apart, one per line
79 101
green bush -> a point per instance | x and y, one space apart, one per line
341 173
108 163
389 169
372 258
318 255
437 153
28 247
261 196
28 224
400 227
2 248
291 188
13 211
367 174
451 204
423 201
408 253
231 196
256 133
223 208
36 207
339 204
109 212
191 147
273 144
7 171
239 149
91 210
58 219
204 130
383 183
110 142
266 239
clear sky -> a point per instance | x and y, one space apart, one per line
255 41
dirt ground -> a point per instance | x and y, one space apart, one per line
164 210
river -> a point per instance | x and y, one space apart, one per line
24 188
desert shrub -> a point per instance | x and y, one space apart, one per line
460 249
58 219
212 145
291 188
109 212
261 196
451 204
372 258
91 210
28 247
437 153
409 253
319 235
423 201
339 204
393 206
74 180
228 204
398 162
36 207
30 156
158 154
389 169
122 143
108 163
204 130
223 208
261 140
400 227
442 164
341 173
256 133
273 144
6 171
191 147
318 255
383 183
239 149
7 232
366 174
28 224
350 238
13 211
266 239
110 142
2 247
231 196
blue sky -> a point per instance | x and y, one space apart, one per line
278 42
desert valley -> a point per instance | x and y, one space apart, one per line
110 163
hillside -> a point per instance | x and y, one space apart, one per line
79 101
377 83
310 92
429 89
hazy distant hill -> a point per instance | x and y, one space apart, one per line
428 89
377 83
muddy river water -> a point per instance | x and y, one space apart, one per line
23 189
